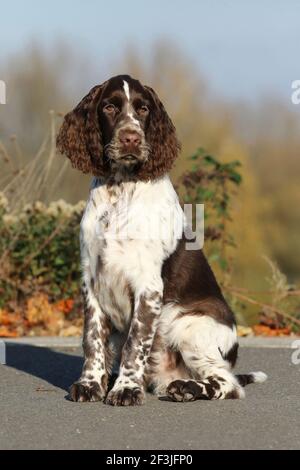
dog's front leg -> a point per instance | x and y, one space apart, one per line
92 385
129 386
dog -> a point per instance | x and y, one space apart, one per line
153 310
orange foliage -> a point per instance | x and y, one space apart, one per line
264 330
6 333
65 305
41 312
41 317
7 319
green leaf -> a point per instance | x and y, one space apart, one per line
235 177
209 160
214 257
223 264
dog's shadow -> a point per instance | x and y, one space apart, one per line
55 367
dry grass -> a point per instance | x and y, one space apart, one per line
24 183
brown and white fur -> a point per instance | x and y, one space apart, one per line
152 307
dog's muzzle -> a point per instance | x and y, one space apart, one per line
128 147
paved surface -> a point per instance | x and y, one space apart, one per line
35 414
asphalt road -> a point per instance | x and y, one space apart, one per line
35 414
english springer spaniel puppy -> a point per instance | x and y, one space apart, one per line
173 331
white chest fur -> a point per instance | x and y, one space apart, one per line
127 231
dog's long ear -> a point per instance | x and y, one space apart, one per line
161 135
80 136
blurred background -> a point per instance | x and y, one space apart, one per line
224 70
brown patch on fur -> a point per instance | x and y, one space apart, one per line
189 279
211 387
210 307
233 395
232 355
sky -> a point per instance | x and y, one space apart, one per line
244 48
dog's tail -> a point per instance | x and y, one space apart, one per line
251 378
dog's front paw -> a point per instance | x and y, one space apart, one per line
86 391
125 397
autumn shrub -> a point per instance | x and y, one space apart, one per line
39 251
213 184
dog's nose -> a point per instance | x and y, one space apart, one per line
129 138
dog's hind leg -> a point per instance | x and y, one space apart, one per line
209 350
210 379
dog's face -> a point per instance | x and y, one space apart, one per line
120 125
124 115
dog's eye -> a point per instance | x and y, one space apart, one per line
110 108
143 110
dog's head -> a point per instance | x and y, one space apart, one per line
120 126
